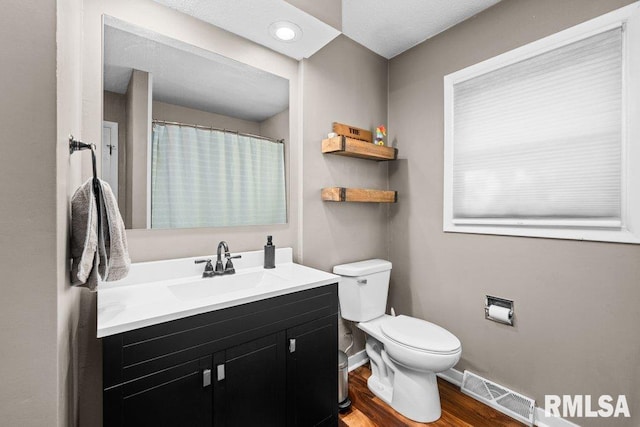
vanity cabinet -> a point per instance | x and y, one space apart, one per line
269 362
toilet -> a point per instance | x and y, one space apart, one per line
405 352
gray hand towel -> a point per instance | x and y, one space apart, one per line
115 237
98 254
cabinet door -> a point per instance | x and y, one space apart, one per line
249 383
312 373
178 396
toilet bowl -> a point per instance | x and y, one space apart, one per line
405 352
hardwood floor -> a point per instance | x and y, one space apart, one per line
458 409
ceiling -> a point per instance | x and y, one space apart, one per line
386 27
391 27
251 19
182 75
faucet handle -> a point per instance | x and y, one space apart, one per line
208 269
229 268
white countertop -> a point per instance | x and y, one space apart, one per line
160 291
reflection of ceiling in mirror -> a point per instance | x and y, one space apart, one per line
193 78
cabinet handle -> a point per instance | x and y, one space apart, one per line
292 345
206 378
220 369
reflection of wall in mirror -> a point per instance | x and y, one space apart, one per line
139 92
276 126
115 110
115 104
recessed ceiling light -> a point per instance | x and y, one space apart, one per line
285 31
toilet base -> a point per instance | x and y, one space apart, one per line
412 393
382 389
416 400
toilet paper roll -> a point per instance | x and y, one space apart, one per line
500 314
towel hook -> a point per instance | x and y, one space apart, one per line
76 145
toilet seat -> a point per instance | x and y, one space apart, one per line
420 335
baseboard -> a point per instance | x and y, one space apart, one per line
357 360
543 421
454 377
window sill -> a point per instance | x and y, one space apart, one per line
617 235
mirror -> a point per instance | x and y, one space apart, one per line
191 138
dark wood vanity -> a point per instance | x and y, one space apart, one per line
271 362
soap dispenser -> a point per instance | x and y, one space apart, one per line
269 254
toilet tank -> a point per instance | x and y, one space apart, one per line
363 289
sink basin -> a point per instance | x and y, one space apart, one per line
161 291
221 285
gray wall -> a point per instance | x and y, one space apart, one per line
347 83
177 113
138 136
28 319
38 312
69 119
276 126
576 302
328 11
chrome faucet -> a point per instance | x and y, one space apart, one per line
228 267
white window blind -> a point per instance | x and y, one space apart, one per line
540 141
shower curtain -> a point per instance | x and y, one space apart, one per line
211 178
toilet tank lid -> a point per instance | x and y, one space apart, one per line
362 268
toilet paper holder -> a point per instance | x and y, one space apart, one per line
499 302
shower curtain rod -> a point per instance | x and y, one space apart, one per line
164 122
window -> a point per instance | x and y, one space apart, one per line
544 140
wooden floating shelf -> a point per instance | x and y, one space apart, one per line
342 194
345 146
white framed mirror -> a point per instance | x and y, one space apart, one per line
201 138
